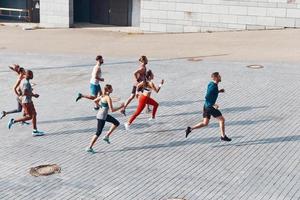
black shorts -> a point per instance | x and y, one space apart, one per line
133 91
208 111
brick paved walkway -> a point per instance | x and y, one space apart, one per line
155 161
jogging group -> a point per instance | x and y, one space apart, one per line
142 88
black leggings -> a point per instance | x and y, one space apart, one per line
101 123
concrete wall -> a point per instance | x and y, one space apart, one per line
218 15
136 12
56 13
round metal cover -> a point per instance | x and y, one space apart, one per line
255 66
44 170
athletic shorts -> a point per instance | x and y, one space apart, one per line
29 109
208 111
133 91
95 89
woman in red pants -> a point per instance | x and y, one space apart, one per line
145 98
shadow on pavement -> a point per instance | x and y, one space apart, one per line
291 138
172 144
87 118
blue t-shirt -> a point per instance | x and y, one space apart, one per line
211 94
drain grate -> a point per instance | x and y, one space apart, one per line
255 66
45 170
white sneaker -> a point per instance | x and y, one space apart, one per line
127 126
37 133
152 119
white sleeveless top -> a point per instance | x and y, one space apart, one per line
98 75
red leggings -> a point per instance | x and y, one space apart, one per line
143 100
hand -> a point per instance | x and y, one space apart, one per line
221 91
136 95
36 95
162 81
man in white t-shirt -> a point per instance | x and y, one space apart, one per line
95 89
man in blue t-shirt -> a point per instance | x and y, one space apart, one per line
210 108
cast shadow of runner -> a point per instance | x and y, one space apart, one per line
291 138
93 130
74 119
172 144
177 103
223 110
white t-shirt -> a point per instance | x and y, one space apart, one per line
95 74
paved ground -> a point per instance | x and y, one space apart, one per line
271 46
155 161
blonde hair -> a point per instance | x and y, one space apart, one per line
106 89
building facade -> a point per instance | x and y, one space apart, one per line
173 15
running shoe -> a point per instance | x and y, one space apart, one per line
37 133
10 123
3 114
151 119
148 110
90 150
226 139
188 131
79 96
96 108
127 126
106 139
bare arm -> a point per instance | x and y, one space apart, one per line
136 74
96 75
16 86
28 93
112 109
156 89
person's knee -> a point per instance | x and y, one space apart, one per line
222 119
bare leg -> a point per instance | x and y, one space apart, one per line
222 125
128 101
23 119
201 124
111 130
93 141
34 122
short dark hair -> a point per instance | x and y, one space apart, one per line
215 74
99 57
149 73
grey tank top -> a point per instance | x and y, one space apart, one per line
102 113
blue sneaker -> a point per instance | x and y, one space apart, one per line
37 133
10 123
79 96
90 150
106 139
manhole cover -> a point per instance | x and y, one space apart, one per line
44 170
255 66
194 59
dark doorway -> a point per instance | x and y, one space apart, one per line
35 11
108 12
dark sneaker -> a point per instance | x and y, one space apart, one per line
79 96
96 108
123 112
225 138
10 123
90 150
106 139
3 114
188 131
